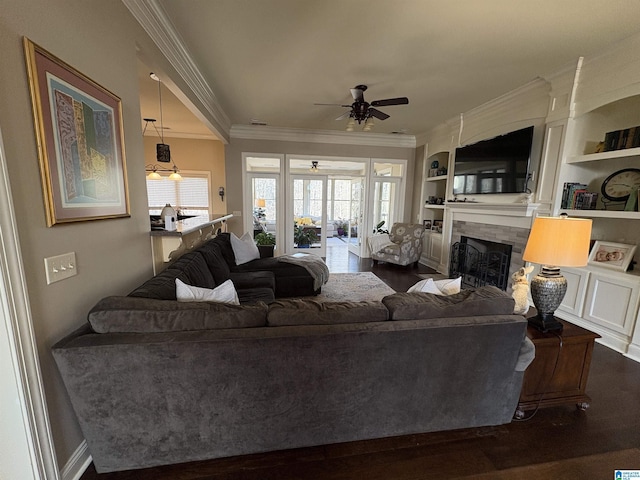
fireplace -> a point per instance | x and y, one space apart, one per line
480 262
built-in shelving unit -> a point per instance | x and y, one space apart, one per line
434 189
602 300
438 178
583 166
592 157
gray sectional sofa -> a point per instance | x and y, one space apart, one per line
157 382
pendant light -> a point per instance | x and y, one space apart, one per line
163 152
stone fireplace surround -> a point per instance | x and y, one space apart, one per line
506 223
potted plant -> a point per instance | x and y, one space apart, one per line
341 227
379 228
266 243
303 237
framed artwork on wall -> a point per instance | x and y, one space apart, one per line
78 126
617 256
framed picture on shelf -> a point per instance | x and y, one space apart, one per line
616 256
437 226
426 224
78 126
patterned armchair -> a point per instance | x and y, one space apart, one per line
406 247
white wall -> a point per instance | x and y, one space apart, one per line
113 256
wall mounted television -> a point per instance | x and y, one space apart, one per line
497 165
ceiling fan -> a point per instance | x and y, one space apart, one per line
363 111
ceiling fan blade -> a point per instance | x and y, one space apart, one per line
344 115
390 101
374 112
332 104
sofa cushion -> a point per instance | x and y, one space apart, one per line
191 268
259 279
310 312
223 293
484 301
244 248
250 296
144 315
212 253
224 242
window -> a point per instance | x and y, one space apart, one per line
266 189
190 196
339 203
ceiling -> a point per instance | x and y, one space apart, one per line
271 60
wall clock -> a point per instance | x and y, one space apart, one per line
618 185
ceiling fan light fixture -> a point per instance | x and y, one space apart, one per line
368 125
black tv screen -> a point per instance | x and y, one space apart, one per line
497 165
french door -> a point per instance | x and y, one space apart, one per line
264 199
385 201
356 220
307 214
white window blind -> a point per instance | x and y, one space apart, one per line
190 194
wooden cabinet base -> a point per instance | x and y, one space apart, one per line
558 374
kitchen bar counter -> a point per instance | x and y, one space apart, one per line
190 232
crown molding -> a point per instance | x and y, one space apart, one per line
189 136
154 20
254 132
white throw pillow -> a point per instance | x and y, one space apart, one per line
244 248
425 286
447 286
223 293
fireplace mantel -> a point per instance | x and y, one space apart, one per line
503 209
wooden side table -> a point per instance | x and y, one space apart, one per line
558 374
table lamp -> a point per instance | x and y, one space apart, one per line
554 242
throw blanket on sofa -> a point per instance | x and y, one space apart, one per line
314 265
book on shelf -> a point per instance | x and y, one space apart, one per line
622 139
585 201
575 196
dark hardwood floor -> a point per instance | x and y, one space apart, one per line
553 443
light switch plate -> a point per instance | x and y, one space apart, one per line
60 267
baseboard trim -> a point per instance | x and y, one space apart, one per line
77 464
633 352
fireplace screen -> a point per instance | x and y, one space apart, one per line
480 262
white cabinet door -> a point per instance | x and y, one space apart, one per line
612 302
576 286
435 247
426 245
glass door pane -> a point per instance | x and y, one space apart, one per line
309 214
385 202
264 199
355 232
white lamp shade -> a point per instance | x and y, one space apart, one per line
559 241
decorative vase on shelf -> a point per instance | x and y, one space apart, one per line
167 210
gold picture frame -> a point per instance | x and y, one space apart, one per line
80 139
